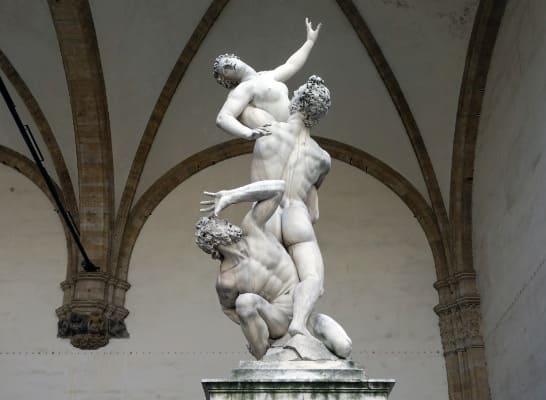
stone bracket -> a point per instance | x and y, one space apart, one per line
93 310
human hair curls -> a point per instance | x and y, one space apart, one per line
312 99
211 232
220 63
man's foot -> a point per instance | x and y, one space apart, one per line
298 329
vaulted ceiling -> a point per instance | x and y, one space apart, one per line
121 100
424 43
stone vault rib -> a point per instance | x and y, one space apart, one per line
80 54
67 190
412 130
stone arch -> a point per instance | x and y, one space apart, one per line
24 166
233 148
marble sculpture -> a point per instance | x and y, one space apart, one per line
272 271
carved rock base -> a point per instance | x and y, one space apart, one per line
297 380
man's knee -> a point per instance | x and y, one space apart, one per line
246 305
343 347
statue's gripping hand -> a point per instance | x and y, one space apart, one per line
264 130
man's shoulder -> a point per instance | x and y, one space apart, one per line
320 153
315 144
243 87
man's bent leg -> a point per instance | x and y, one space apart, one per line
260 320
253 326
277 315
299 237
329 332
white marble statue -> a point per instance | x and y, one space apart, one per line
258 108
289 153
257 277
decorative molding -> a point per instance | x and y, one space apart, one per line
406 116
460 326
89 332
156 118
45 131
80 54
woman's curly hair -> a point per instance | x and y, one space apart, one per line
220 63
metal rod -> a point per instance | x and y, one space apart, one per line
86 263
27 130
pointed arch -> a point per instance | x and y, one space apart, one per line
233 148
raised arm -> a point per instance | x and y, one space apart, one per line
295 62
266 194
238 99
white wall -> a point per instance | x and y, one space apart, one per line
379 276
509 206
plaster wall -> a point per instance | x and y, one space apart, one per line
379 276
509 217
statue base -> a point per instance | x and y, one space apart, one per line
297 380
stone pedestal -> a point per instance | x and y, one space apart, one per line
297 380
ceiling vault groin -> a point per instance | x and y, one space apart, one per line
98 299
156 117
67 190
408 120
91 293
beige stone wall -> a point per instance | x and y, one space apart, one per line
508 213
379 276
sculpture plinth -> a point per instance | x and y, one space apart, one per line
297 380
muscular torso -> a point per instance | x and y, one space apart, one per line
267 270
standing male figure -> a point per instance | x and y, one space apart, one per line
290 154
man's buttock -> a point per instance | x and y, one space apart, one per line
296 224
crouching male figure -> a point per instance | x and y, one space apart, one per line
257 276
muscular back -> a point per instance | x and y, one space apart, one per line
290 154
